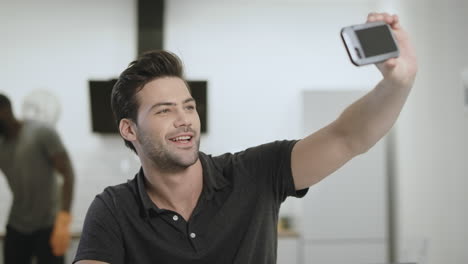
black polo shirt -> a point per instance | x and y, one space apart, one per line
234 221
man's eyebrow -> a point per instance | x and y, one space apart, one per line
162 104
188 100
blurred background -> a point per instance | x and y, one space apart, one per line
275 69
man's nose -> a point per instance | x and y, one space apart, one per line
182 119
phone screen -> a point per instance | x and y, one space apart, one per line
376 40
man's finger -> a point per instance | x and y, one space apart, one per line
396 22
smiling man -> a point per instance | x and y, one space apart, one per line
185 206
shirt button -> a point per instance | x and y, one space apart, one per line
193 235
175 217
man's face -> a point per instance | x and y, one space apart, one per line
168 125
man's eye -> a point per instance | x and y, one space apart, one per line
190 107
163 111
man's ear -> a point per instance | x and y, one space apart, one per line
127 129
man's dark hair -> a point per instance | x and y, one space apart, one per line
4 101
149 66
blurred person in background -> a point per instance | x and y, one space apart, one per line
39 220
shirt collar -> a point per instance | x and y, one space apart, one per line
213 181
213 177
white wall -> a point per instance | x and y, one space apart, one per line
432 145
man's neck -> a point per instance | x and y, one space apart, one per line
176 191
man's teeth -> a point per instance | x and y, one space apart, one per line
183 138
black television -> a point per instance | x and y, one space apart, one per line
198 90
102 118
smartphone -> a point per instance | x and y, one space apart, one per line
369 43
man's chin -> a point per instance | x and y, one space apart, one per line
183 159
188 161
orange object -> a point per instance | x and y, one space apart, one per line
60 237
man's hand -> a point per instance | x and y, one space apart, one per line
402 70
60 237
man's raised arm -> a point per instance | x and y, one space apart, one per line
364 122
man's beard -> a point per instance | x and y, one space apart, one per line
165 159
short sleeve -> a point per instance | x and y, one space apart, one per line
50 141
272 163
101 238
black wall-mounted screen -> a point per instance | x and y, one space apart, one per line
199 93
101 112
